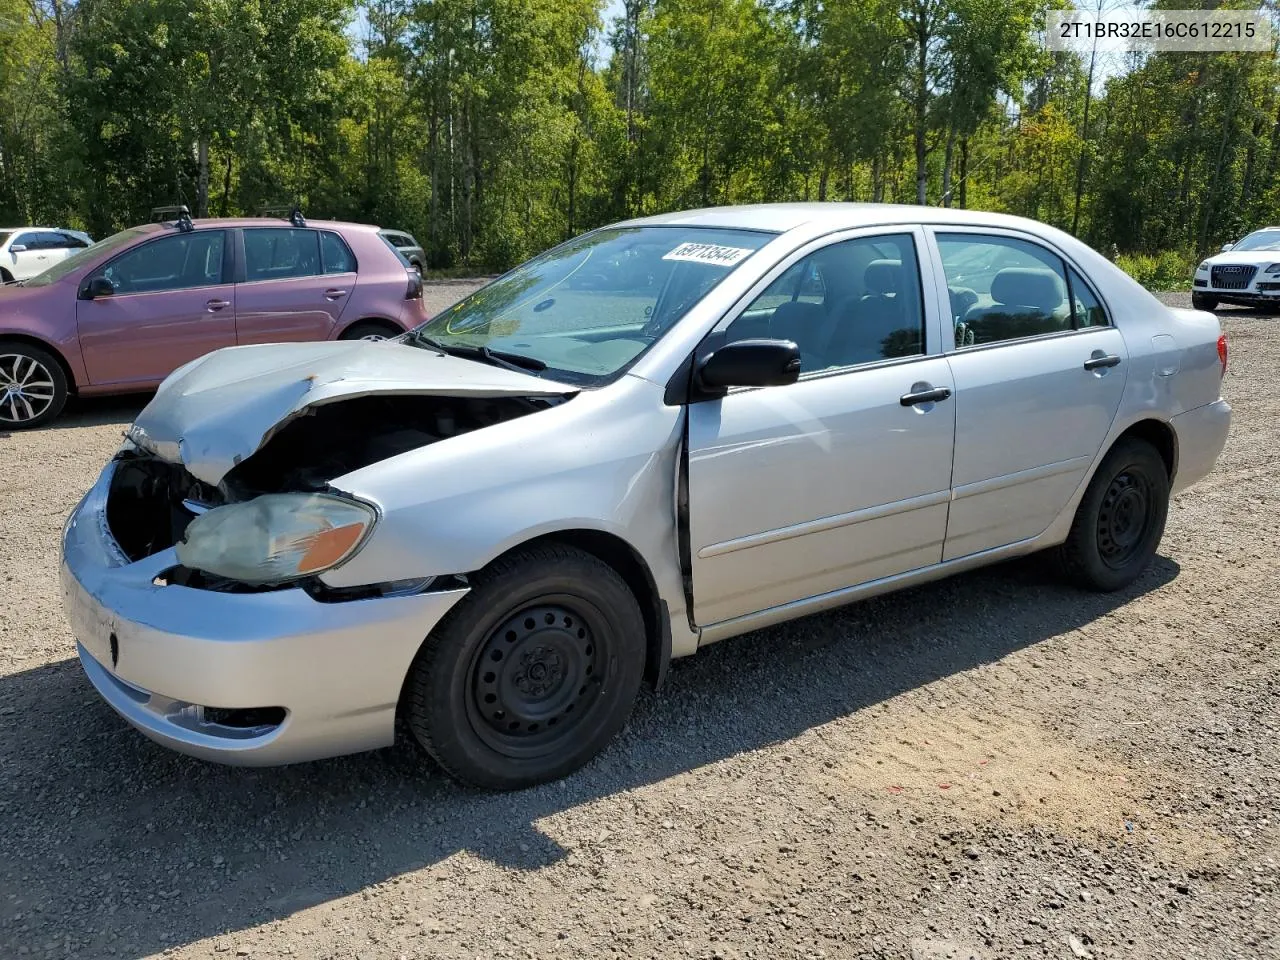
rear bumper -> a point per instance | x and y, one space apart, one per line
1201 433
162 655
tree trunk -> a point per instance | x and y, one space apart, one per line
921 105
964 173
202 181
225 204
1084 141
946 167
877 179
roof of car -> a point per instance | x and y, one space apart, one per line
207 222
782 217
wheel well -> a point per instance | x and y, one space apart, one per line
389 325
1161 436
47 348
629 565
5 275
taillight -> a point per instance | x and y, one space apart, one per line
414 290
1222 353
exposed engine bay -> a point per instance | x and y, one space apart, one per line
151 501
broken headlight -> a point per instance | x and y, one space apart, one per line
276 537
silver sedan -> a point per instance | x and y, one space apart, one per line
655 436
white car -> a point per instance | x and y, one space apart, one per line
1245 273
26 251
497 525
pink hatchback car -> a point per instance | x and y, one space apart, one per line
120 315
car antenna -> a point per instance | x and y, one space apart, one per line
291 212
180 214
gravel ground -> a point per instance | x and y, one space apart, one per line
994 766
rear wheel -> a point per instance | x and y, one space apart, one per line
1120 520
1202 301
370 330
33 388
532 673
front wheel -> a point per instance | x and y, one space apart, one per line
1202 301
532 673
1120 520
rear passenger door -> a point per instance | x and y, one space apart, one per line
294 284
1039 373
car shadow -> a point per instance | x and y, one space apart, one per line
111 840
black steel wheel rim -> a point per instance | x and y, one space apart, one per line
1124 519
537 677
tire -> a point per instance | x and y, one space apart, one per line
417 268
33 386
1120 520
1202 301
370 330
532 673
5 276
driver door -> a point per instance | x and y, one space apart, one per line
844 476
172 302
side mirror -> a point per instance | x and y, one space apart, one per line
98 287
750 363
18 248
1227 246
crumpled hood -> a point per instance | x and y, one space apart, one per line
214 412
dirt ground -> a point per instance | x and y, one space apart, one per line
994 766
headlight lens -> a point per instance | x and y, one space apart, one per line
1274 268
1204 265
276 537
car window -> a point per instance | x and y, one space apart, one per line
1087 310
335 254
30 240
80 258
1260 240
277 253
391 245
856 301
590 307
52 240
172 263
71 242
1002 288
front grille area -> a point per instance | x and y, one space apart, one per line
1232 276
145 504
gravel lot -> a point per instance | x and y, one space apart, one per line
995 766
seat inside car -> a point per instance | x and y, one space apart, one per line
1026 301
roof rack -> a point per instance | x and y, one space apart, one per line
180 214
291 212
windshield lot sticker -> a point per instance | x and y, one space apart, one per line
708 253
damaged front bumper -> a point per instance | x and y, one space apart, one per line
243 678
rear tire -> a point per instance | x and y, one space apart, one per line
1202 301
370 330
532 673
1120 520
33 386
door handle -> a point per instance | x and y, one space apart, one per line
333 293
931 395
216 305
1101 362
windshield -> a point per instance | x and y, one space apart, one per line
1261 240
584 311
82 256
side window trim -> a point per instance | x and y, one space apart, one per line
932 320
933 230
102 268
